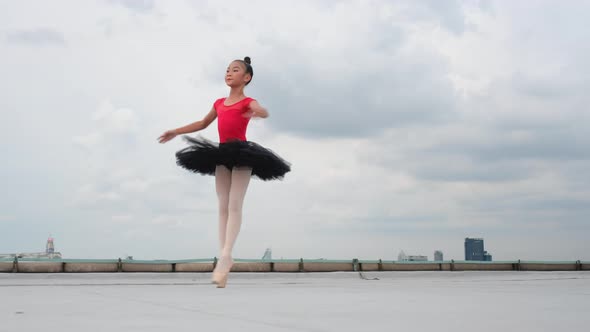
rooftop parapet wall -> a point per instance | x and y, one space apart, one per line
292 265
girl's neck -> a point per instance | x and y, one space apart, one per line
236 93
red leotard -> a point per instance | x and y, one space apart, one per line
231 122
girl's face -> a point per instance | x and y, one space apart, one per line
236 75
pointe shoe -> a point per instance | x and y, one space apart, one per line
220 280
221 271
216 277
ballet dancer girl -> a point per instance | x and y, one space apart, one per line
233 161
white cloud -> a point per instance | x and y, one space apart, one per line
135 185
38 36
6 218
137 5
117 120
88 141
167 220
122 219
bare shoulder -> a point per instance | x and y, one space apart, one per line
217 102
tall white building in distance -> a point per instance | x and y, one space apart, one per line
49 247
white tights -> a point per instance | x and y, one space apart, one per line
231 186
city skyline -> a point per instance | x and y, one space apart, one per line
474 250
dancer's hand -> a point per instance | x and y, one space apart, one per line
249 114
168 135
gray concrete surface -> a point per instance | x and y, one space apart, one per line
340 301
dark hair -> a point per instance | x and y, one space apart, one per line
247 63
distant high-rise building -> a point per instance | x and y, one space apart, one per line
438 255
49 247
474 250
267 255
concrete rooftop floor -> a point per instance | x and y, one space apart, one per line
340 301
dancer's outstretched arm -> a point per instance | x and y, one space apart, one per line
191 128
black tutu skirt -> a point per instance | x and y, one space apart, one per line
202 156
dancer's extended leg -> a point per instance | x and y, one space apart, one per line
240 178
222 186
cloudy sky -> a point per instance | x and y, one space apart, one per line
410 125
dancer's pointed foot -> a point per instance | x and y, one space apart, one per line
221 271
222 280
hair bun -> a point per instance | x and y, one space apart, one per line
247 60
